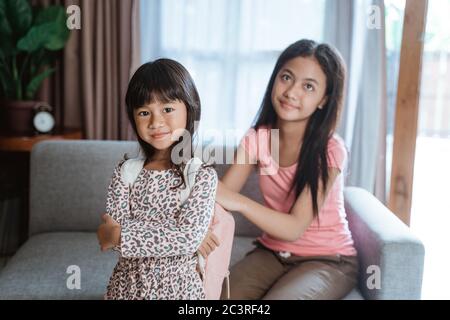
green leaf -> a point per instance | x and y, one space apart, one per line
34 84
5 27
29 36
58 40
37 37
6 42
59 37
50 31
7 46
19 15
50 14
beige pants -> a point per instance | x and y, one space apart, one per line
264 274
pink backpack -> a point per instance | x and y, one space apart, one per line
214 270
218 261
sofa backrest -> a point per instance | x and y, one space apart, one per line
69 181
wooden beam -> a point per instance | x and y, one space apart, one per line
407 109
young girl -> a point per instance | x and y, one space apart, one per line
156 236
306 251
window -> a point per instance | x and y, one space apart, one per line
230 48
430 208
395 10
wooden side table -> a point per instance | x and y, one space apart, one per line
14 179
26 143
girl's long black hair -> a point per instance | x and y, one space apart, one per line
312 163
164 80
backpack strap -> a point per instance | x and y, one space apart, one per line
189 174
227 284
131 169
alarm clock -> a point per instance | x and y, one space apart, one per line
43 120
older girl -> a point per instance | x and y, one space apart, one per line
306 250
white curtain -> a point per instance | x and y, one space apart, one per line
363 123
230 47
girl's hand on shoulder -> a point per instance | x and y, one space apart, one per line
108 233
228 199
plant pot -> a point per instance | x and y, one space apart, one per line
16 117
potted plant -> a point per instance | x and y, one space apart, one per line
30 38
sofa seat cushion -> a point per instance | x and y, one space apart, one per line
39 268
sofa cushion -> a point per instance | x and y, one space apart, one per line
39 268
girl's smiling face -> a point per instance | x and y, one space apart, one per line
299 89
158 123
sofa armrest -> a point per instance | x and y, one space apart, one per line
384 241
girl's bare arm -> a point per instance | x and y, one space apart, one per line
287 227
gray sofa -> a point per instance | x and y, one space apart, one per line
67 196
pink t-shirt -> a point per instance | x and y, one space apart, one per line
333 236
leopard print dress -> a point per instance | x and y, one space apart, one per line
159 237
